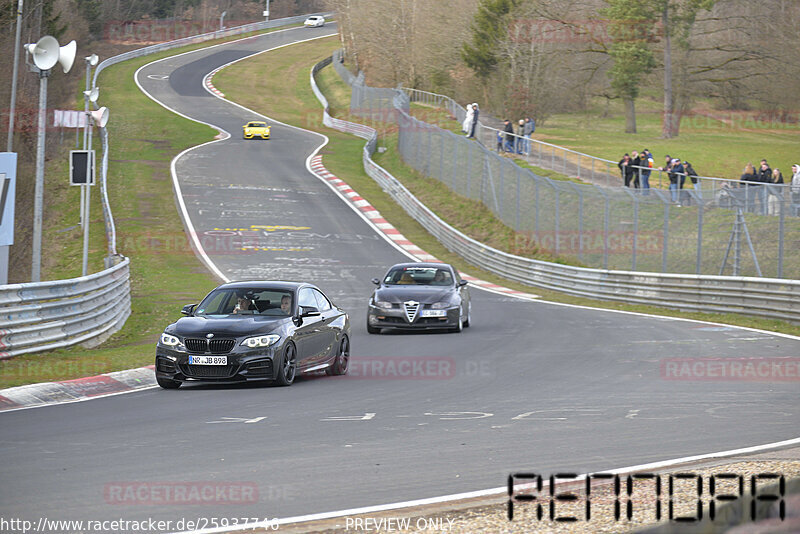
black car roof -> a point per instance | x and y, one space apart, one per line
255 284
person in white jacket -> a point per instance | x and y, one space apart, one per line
795 188
467 124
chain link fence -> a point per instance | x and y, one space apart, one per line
713 229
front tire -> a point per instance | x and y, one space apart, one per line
166 383
460 326
287 366
469 315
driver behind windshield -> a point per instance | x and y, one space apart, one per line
243 304
286 304
441 278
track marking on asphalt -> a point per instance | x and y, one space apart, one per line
449 416
237 420
366 417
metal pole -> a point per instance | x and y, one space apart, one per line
85 137
10 144
664 243
88 186
38 198
781 228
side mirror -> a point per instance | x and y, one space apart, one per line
308 311
462 283
376 281
188 309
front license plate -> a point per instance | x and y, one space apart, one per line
208 360
434 313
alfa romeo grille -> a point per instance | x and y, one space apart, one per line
411 308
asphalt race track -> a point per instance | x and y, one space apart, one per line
531 386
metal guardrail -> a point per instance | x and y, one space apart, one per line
764 297
36 317
56 314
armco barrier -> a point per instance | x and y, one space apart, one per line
764 297
51 315
36 317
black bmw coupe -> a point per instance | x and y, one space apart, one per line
245 331
419 296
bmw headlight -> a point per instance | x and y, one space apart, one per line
261 341
383 304
441 305
169 340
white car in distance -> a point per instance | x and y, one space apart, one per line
314 21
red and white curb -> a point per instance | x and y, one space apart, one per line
393 234
210 85
79 389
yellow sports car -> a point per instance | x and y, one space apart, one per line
256 129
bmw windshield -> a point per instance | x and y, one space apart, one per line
232 302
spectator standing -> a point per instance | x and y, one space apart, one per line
499 142
508 129
647 162
749 179
475 113
692 174
636 162
775 197
530 127
625 169
520 139
764 177
795 188
466 126
679 173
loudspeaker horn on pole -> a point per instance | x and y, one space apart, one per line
45 52
100 116
93 59
66 55
93 95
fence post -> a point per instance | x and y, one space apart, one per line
665 238
469 168
441 156
536 220
781 216
580 224
519 170
700 205
605 230
557 228
428 159
502 195
455 165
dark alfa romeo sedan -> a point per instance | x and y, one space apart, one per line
419 296
255 330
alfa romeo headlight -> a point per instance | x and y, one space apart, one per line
440 305
261 341
383 304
